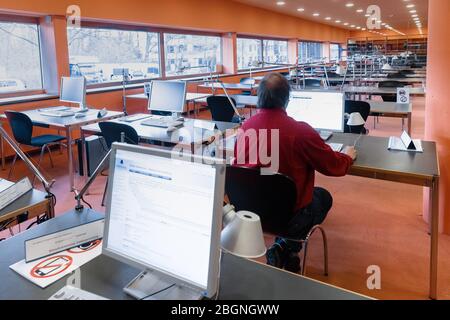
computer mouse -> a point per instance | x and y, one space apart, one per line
80 115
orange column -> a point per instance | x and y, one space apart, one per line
229 47
437 119
293 51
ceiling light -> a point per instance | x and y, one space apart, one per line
281 3
349 5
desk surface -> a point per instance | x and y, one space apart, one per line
375 80
390 107
188 134
26 201
376 90
230 86
91 116
375 106
241 279
374 156
189 96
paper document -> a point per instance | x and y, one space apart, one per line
72 293
397 144
44 272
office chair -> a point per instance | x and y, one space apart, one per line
273 198
364 110
247 81
398 75
22 129
221 109
390 84
112 132
311 83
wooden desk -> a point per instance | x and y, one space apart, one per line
193 98
34 202
375 161
380 91
392 110
240 279
68 125
229 86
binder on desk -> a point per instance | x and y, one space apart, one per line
405 143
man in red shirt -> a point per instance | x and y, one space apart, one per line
301 152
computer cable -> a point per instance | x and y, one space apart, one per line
158 292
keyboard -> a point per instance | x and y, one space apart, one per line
135 117
336 147
162 123
54 109
325 135
59 114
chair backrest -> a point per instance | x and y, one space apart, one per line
363 108
249 81
112 132
221 108
391 84
396 76
272 197
21 126
312 83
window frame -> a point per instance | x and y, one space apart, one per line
339 50
308 41
262 39
26 20
162 63
187 33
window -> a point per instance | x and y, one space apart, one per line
191 54
249 51
335 52
310 51
96 53
20 58
275 51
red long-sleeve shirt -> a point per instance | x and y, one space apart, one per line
301 151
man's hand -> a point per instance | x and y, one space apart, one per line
351 152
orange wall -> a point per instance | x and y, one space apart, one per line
437 111
213 15
223 16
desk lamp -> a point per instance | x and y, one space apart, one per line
242 235
386 66
355 120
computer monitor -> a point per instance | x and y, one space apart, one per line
164 216
167 96
322 110
73 90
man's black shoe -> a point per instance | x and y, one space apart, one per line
292 263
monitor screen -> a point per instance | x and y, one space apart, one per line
169 96
321 110
73 90
165 214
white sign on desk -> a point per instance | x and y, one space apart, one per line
403 95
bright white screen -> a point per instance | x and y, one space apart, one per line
168 96
161 214
73 89
321 110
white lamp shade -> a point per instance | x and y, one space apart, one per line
244 237
355 119
387 66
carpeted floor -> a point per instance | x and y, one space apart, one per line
372 223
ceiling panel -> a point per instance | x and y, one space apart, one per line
394 13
